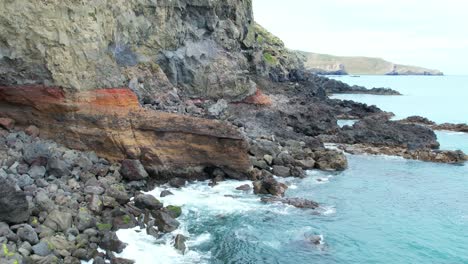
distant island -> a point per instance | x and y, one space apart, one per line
343 65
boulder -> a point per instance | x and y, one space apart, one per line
59 220
14 207
111 242
330 160
165 193
245 187
133 170
165 222
177 182
147 201
281 171
271 186
27 233
296 202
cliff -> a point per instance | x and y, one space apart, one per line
329 64
203 47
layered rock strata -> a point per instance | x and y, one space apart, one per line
111 122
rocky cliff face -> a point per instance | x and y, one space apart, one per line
89 44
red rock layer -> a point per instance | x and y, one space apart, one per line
112 123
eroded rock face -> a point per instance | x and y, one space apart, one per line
91 44
111 122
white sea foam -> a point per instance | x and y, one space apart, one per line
198 198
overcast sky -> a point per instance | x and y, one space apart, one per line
427 33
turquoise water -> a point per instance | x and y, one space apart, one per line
381 210
439 98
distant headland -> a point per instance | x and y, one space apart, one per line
344 65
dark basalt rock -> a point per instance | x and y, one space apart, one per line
14 206
179 243
378 132
111 242
165 222
296 202
147 201
133 170
271 186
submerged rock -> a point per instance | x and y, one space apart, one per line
179 243
296 202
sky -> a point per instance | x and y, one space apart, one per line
426 33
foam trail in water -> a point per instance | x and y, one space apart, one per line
197 198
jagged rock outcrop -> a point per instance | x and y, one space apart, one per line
332 86
111 122
377 131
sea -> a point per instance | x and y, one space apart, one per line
383 209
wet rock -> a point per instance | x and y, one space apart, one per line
111 242
330 160
315 239
179 243
245 187
121 261
133 170
57 167
27 233
269 186
417 120
165 222
177 182
147 201
165 193
296 202
14 207
173 211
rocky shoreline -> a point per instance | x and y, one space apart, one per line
127 98
431 124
